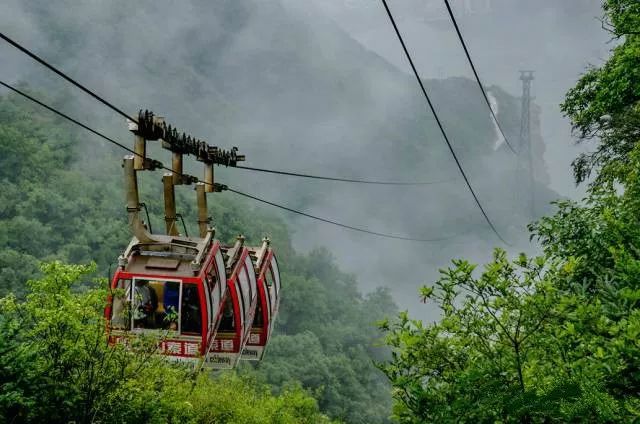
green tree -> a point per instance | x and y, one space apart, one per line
326 339
511 346
605 103
57 367
554 338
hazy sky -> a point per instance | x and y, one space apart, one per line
262 64
556 38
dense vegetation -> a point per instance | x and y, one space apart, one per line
552 338
56 367
61 204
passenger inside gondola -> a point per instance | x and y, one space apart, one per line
170 306
145 303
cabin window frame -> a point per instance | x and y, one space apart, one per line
267 298
208 295
263 292
228 299
271 288
251 274
245 291
199 311
240 298
212 289
275 270
180 282
222 272
125 302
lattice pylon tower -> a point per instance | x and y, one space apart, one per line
525 151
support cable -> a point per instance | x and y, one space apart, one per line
67 117
475 73
328 221
347 180
442 130
65 76
222 187
124 114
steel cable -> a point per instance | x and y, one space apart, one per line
286 208
442 130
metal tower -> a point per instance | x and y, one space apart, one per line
525 151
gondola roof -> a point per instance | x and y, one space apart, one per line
170 255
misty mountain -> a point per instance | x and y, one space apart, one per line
295 92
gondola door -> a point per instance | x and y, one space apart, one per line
238 311
267 310
215 289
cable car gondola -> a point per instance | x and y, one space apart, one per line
268 282
162 294
198 298
170 286
238 310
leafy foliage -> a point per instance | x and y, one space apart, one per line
57 367
326 339
552 338
605 103
42 214
512 346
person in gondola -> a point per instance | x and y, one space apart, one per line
145 302
168 319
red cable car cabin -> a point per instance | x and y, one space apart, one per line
179 287
238 310
173 287
268 301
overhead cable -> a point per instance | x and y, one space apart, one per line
475 73
124 114
67 117
349 227
221 186
442 130
347 180
65 76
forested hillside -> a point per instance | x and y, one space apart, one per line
57 207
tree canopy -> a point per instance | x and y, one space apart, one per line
603 106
